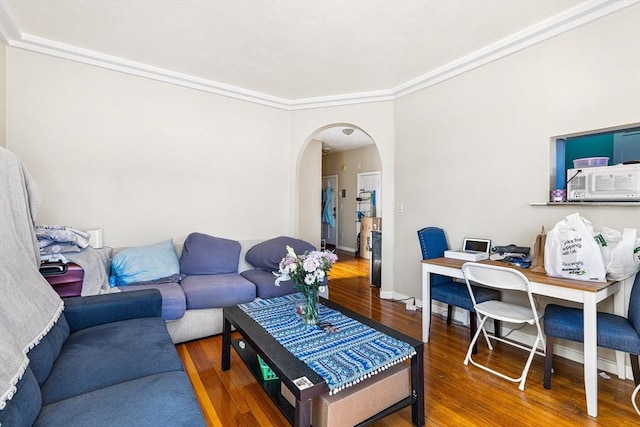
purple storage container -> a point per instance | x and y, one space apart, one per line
66 279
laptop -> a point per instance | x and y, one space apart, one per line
473 249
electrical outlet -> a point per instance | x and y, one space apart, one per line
400 207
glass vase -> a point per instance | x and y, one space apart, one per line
307 309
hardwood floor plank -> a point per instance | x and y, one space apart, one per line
210 414
455 395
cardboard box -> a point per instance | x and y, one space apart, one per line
361 401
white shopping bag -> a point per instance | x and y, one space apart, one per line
620 251
571 251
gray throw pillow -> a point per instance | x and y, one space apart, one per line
268 254
204 254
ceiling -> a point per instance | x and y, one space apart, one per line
290 54
288 49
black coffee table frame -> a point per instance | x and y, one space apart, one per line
256 340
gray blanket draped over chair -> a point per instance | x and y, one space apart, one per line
28 305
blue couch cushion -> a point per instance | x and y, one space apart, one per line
204 254
265 284
164 399
24 407
43 356
144 263
109 354
268 254
217 290
174 303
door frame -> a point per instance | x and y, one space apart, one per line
378 192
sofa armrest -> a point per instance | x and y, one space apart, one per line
85 312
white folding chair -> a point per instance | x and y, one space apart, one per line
502 278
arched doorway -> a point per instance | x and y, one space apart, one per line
343 155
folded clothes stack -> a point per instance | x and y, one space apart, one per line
56 240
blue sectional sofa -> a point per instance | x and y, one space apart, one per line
107 361
110 359
215 273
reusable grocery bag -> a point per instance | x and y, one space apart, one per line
571 251
620 252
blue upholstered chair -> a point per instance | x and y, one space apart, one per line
614 332
433 243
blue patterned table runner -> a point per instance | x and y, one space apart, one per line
342 358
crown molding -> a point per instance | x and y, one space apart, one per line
345 99
564 22
587 12
73 53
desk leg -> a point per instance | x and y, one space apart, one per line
618 308
417 385
226 346
303 413
590 353
426 303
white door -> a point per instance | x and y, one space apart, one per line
371 205
329 219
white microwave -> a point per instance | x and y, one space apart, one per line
607 183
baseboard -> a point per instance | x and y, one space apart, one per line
462 317
397 296
346 249
604 364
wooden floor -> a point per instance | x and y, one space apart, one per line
455 395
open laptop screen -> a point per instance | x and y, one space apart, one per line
476 245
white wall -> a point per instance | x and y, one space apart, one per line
146 160
309 192
3 93
473 151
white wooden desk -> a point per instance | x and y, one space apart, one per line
589 294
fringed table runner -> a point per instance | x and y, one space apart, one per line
342 358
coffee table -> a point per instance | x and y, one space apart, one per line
257 341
